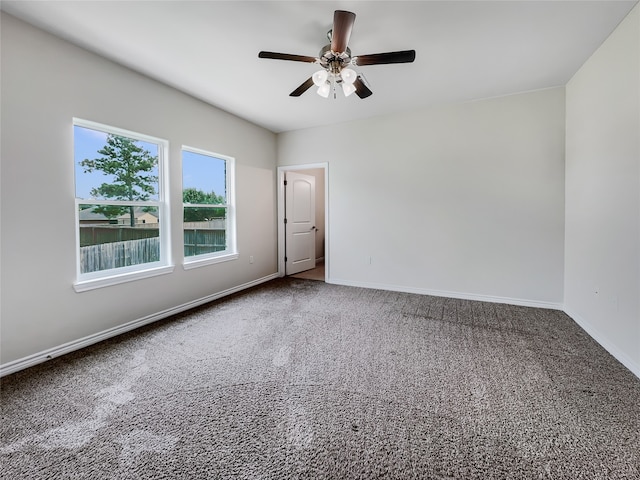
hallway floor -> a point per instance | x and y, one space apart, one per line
313 274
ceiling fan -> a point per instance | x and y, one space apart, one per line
335 60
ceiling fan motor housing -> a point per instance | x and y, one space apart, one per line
334 62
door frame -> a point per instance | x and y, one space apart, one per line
281 206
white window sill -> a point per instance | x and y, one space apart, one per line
195 262
85 285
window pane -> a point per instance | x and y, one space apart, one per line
203 178
204 183
109 239
114 167
205 230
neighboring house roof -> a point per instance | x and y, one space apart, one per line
138 212
89 215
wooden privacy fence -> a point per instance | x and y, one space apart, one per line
104 248
197 242
106 256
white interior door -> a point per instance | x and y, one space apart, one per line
300 222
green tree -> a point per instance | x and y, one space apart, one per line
198 197
133 170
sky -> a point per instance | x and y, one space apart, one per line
200 171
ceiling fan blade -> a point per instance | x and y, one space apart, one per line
287 56
404 56
342 25
302 88
361 89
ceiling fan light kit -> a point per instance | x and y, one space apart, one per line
348 89
348 75
324 90
320 77
336 60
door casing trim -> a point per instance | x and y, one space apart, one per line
281 247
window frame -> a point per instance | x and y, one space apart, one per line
231 252
114 276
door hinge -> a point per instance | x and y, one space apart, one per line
285 183
285 221
285 259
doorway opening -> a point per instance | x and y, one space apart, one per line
303 221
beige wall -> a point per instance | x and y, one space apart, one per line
602 265
45 83
463 200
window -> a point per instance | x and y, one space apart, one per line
121 213
208 207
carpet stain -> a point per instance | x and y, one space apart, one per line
281 358
120 393
76 434
71 436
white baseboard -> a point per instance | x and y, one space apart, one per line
69 347
442 293
622 357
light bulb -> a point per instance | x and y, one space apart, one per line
348 75
324 90
348 88
320 77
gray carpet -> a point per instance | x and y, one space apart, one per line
301 379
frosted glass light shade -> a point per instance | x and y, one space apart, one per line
320 77
348 88
324 90
348 75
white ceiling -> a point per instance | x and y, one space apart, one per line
465 49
